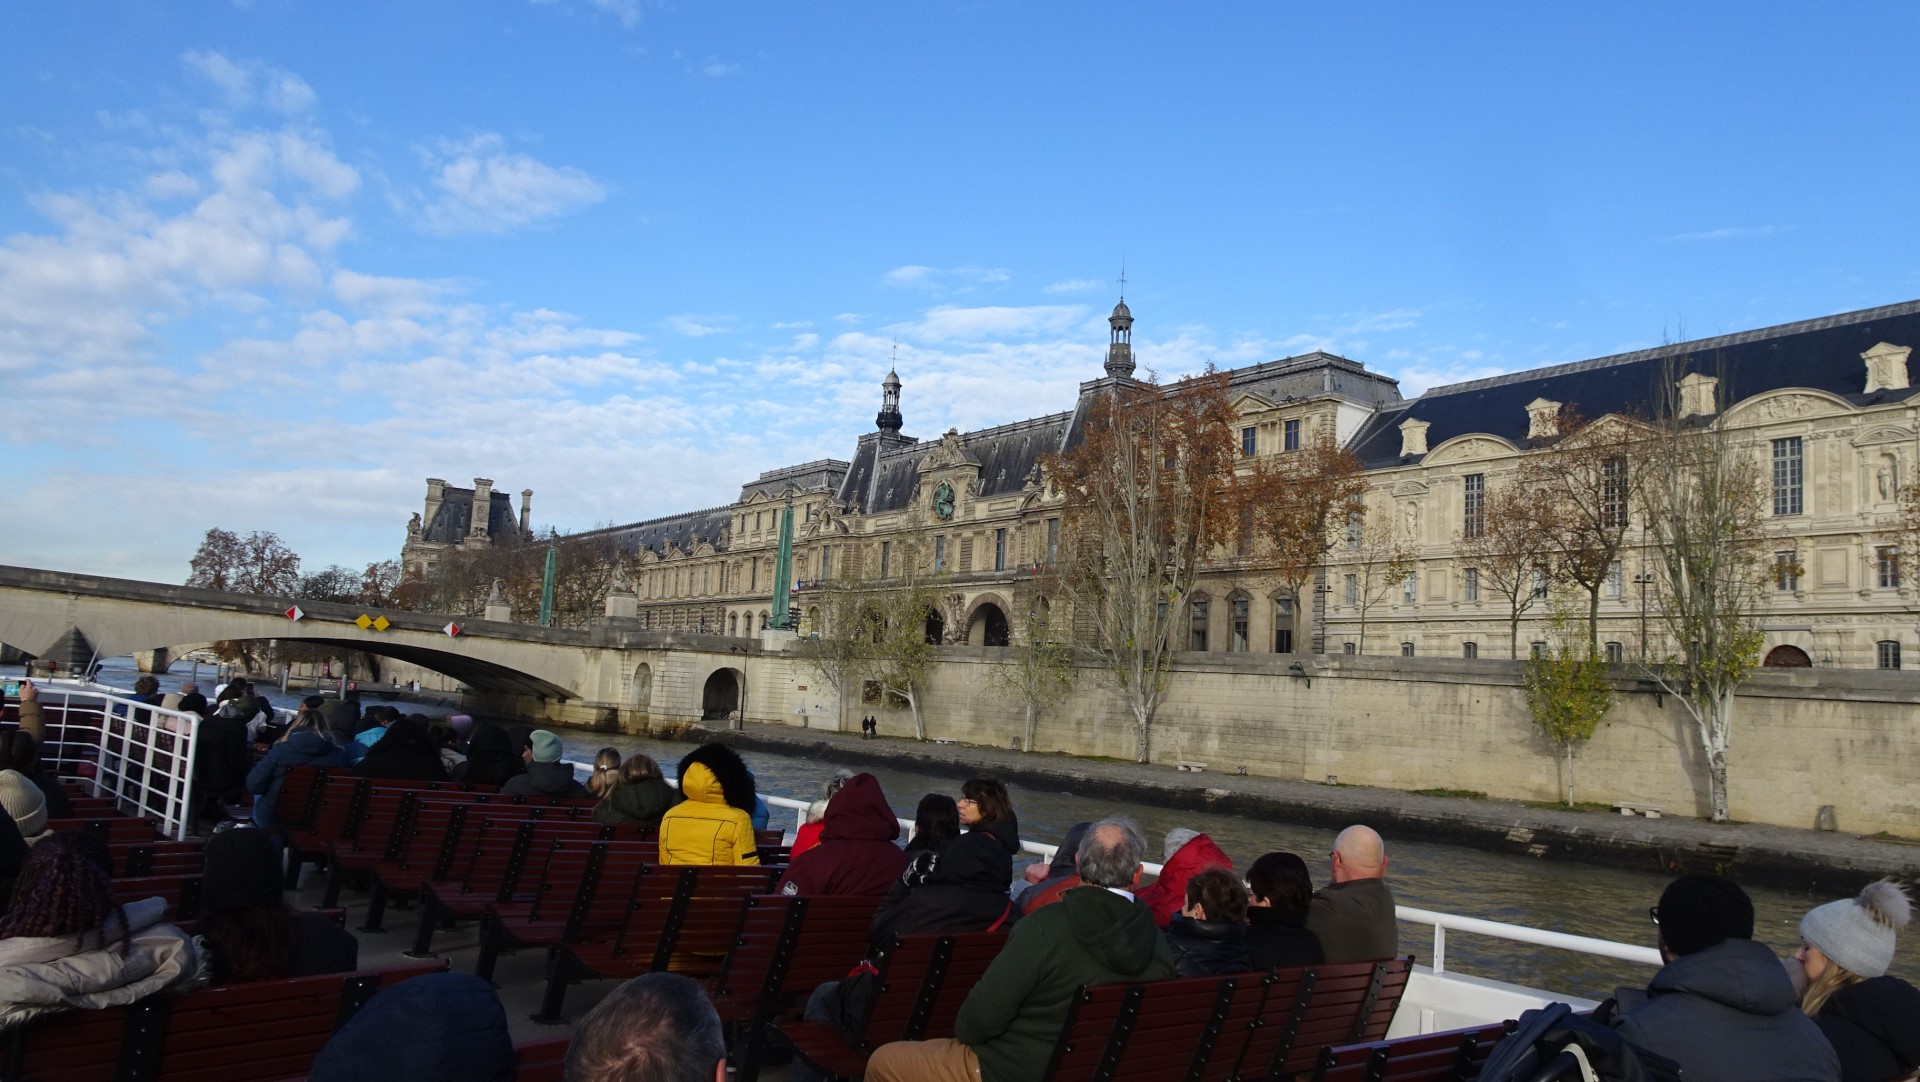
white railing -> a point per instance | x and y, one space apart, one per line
142 756
1519 933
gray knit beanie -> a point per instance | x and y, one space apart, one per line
24 801
1857 934
1176 838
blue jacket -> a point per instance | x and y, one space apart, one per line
1728 1014
304 748
364 742
440 1027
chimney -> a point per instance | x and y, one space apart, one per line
526 512
1698 395
1413 437
1886 367
482 508
1543 419
436 494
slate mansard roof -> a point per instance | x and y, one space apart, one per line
886 472
682 531
454 519
1822 354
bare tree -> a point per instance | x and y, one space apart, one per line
1707 532
873 625
1150 493
1294 502
1379 564
1507 553
1583 486
1038 672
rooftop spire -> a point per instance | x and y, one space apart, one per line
889 419
1120 343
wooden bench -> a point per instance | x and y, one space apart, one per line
923 981
491 864
112 829
786 947
232 1033
182 893
159 858
683 918
583 892
1450 1056
541 1061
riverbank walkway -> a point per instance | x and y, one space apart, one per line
1831 861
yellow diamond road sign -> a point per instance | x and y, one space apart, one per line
364 622
380 623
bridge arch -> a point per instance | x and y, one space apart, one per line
723 694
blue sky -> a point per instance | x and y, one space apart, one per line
267 265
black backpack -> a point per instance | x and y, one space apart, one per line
1553 1044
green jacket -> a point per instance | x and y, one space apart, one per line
1013 1017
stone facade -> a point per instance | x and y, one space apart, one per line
454 518
1825 403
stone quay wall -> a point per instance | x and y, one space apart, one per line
1802 738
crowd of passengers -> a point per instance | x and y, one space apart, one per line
1722 1007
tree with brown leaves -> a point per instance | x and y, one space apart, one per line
1507 552
1585 486
1151 491
1296 502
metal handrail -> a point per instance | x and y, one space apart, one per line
1519 933
138 739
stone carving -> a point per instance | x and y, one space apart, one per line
413 526
950 451
1410 516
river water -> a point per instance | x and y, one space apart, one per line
1607 903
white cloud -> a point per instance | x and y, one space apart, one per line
1392 319
947 323
1073 285
714 69
627 12
1732 232
246 83
694 326
938 280
481 187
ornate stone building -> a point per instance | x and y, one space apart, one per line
1825 403
455 518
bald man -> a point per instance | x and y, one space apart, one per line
1354 917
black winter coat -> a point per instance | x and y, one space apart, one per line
1207 948
440 1026
221 759
966 891
1727 1014
545 779
343 721
1280 941
1874 1027
643 802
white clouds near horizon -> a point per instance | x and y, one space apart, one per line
481 187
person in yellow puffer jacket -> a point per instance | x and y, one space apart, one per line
704 828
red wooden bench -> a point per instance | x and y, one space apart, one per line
113 829
1332 1005
159 858
583 892
683 918
182 893
1450 1056
541 1061
923 981
492 862
786 947
231 1033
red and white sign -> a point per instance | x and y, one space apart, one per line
452 630
294 613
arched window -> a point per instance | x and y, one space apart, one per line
1887 653
1469 650
1199 609
1616 654
1539 649
1241 606
1283 625
1406 649
733 623
1348 648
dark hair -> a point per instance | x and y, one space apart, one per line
1220 893
491 756
1282 880
656 1028
19 751
736 781
935 823
251 944
146 685
314 702
989 796
1698 911
63 891
639 767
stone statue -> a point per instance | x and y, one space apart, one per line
1412 518
413 525
498 595
1883 482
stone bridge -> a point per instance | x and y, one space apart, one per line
612 675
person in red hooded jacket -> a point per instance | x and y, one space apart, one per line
1187 854
857 854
